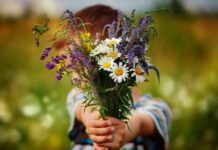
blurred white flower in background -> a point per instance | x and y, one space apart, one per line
30 105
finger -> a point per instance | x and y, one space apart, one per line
100 131
111 145
100 139
98 147
99 123
115 121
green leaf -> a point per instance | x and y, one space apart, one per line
156 71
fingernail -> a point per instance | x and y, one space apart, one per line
110 137
112 129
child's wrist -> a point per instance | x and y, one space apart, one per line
79 112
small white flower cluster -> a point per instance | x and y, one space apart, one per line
111 60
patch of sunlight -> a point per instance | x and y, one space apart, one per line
5 114
167 86
46 99
47 120
183 96
203 105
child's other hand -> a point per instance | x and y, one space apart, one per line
117 136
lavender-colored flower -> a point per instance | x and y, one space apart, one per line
133 35
140 21
121 46
45 53
56 59
58 77
147 20
75 55
37 41
71 18
86 62
119 17
63 56
112 30
50 65
130 56
60 73
68 15
125 29
139 50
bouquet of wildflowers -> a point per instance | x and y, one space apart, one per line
104 69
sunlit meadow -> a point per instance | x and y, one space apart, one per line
33 111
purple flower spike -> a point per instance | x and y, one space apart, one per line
50 65
63 56
58 77
131 56
45 53
121 47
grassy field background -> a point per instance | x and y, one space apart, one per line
32 103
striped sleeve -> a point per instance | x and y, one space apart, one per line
74 98
159 111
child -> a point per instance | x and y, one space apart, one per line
149 122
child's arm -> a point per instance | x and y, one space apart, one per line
112 132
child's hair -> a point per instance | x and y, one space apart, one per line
96 17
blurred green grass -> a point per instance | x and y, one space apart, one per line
32 103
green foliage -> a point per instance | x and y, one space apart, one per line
41 29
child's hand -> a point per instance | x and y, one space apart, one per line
98 130
109 133
118 135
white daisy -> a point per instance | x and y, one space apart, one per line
112 42
138 72
113 53
102 48
119 72
106 63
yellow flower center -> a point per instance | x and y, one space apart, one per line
113 54
106 64
138 70
119 71
111 43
